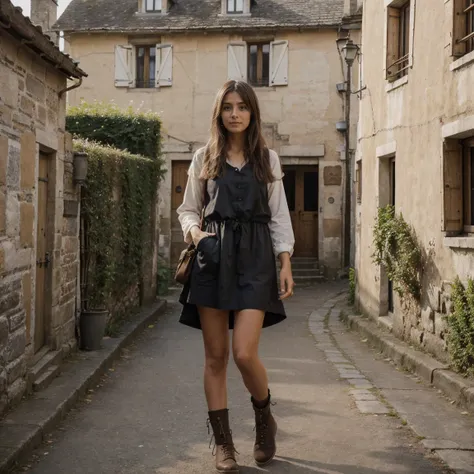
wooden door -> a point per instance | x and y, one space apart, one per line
302 189
178 185
42 256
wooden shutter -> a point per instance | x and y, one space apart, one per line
459 28
124 71
393 35
164 65
452 186
279 63
237 61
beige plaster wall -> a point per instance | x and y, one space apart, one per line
302 114
409 119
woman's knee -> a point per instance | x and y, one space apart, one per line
244 358
216 360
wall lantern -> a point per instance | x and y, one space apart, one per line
350 51
80 167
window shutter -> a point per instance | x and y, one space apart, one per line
459 28
164 65
452 186
124 76
279 63
237 61
393 30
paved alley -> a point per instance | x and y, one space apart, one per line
149 414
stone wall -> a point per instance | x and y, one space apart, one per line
32 118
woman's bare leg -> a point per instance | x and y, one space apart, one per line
246 337
215 331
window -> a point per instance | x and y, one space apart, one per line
146 66
458 181
235 6
463 37
398 41
153 5
259 64
468 175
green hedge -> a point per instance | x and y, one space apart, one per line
116 219
106 123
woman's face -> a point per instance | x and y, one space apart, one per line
235 114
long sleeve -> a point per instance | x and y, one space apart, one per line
281 230
189 213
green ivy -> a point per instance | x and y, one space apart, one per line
398 251
352 286
163 278
461 327
108 124
116 215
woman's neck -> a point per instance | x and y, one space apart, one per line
236 143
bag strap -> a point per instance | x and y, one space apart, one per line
206 202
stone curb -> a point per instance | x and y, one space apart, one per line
439 375
25 428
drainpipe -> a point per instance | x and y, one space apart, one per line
70 88
347 210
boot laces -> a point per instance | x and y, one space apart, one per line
261 427
228 448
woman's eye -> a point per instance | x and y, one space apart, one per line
243 107
226 108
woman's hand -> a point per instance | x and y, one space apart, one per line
286 276
197 235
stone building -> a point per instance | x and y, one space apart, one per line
416 151
38 207
172 57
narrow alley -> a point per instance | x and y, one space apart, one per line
149 414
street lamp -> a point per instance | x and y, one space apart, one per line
350 52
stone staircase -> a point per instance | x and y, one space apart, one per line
306 271
46 367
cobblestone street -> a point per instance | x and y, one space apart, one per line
149 414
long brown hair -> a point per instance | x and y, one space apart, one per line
256 151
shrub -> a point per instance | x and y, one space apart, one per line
126 129
461 327
398 250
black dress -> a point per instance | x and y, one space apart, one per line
236 269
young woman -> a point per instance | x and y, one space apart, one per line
237 180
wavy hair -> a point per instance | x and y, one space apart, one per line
256 151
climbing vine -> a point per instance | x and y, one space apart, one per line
398 251
116 218
461 327
352 285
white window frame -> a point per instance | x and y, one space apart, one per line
154 10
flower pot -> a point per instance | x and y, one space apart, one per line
92 326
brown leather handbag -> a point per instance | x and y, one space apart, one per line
188 255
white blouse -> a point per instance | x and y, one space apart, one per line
189 213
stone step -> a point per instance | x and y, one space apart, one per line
306 271
301 280
50 359
46 378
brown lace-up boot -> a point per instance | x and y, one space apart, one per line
224 449
266 429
